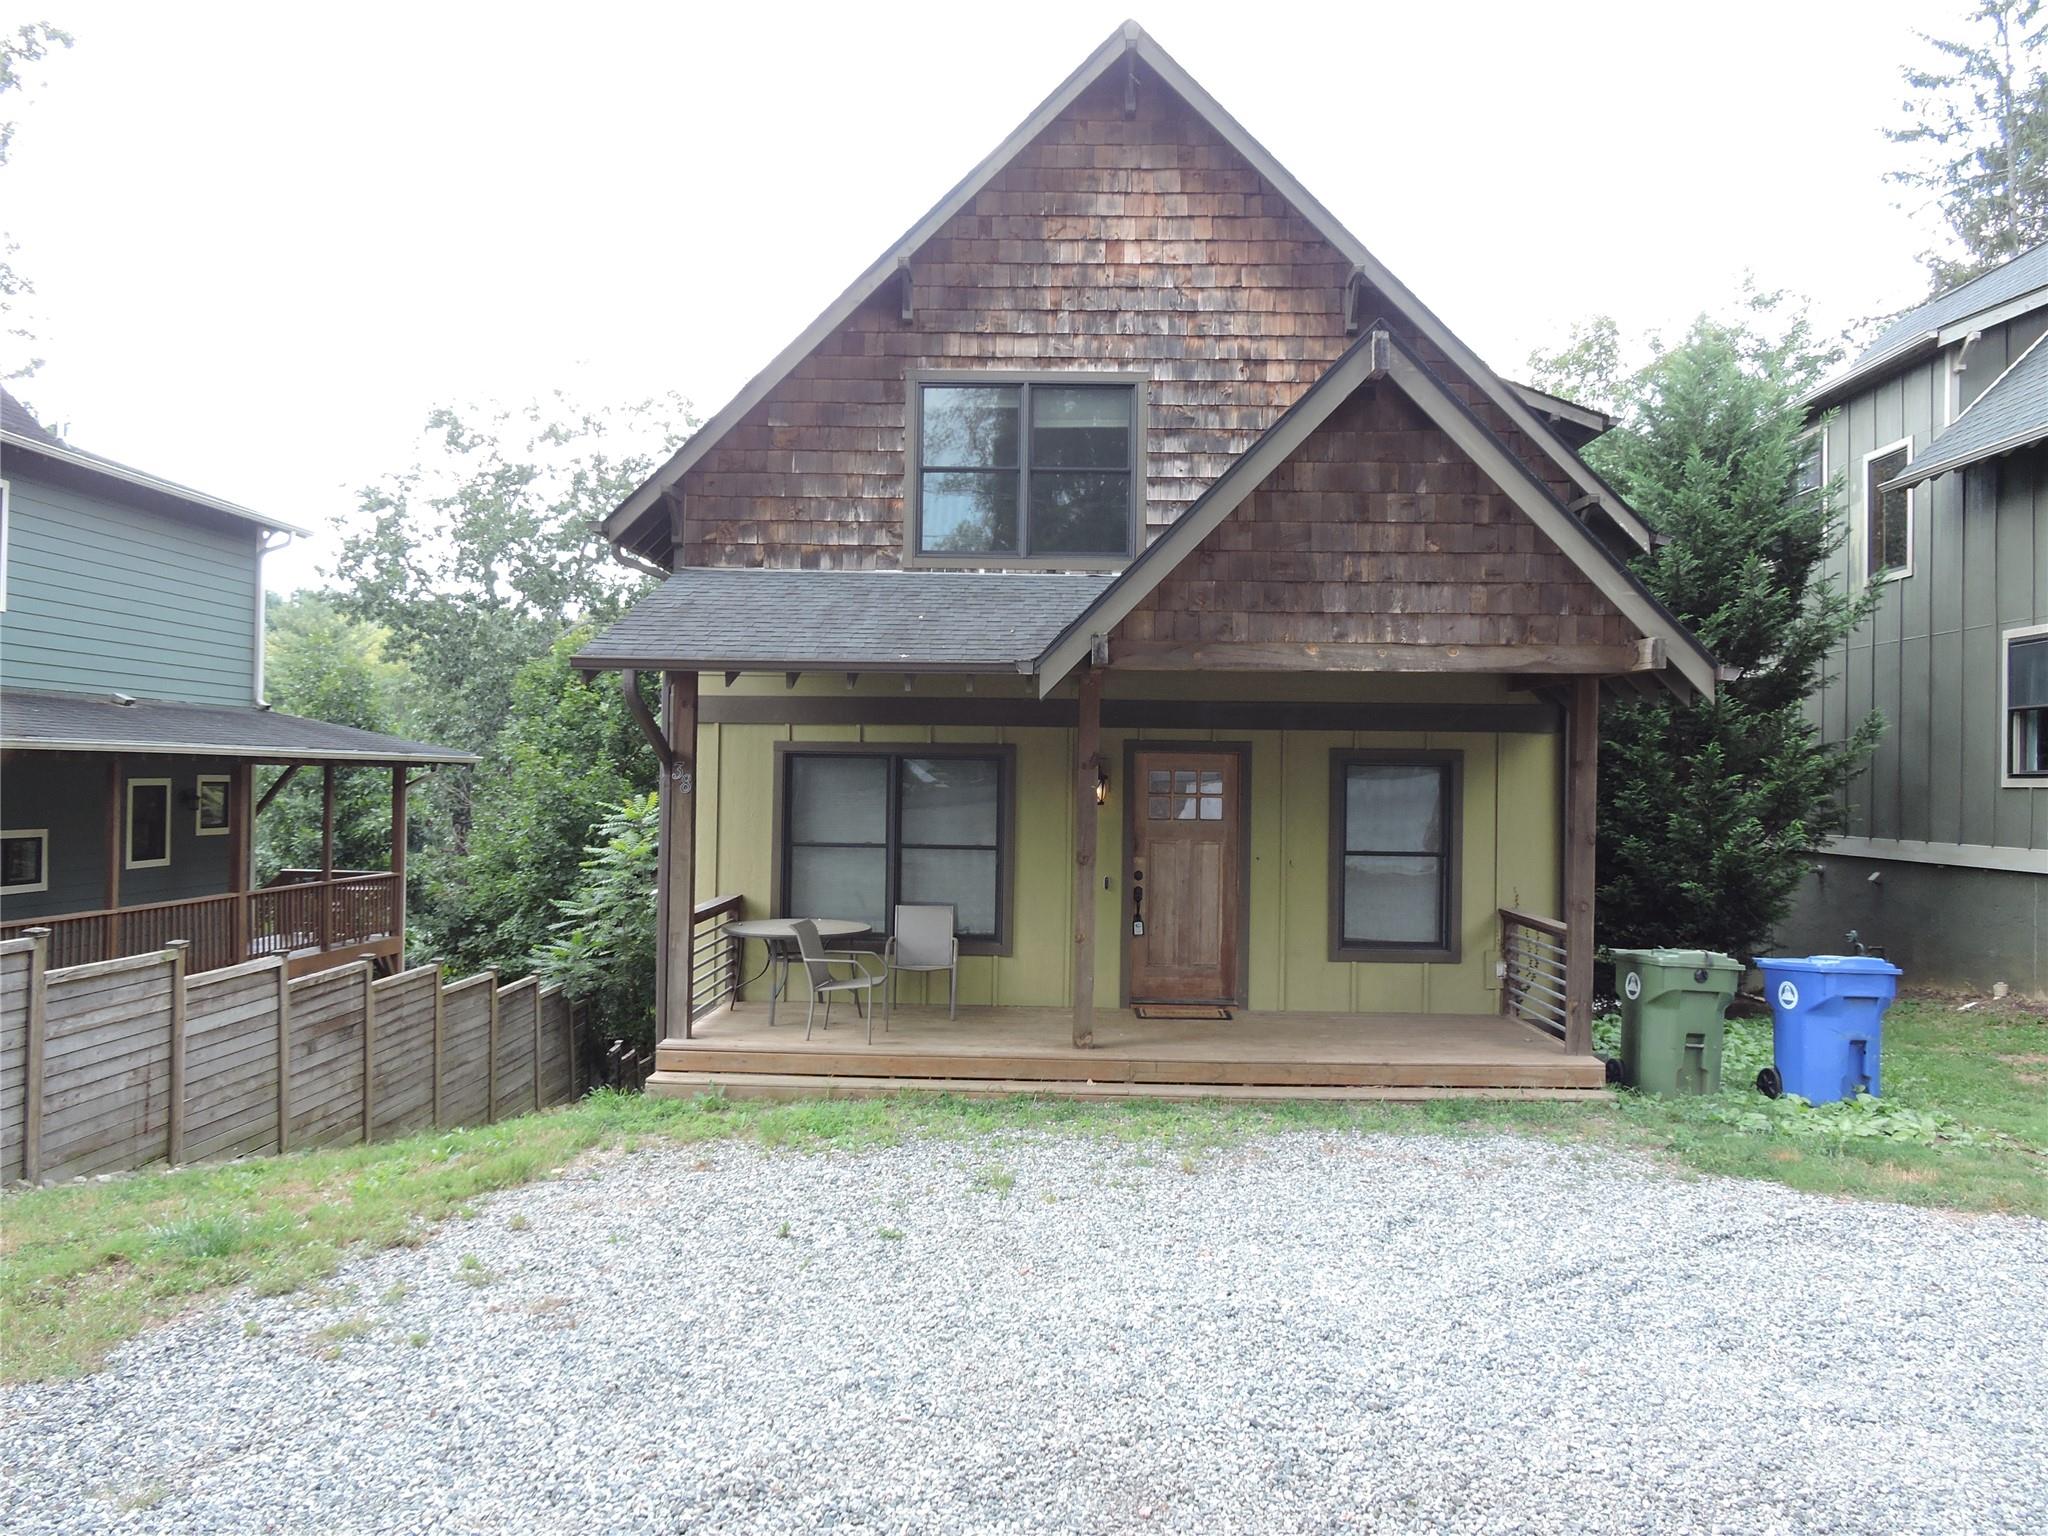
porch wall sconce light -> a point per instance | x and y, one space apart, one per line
1101 782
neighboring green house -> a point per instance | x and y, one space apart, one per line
1129 562
1940 429
132 725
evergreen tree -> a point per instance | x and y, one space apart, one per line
1982 120
1709 811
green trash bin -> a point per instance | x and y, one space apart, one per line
1672 1024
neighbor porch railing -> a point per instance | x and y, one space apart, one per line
304 918
1532 970
714 953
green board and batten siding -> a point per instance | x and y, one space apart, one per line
168 605
1929 658
1509 842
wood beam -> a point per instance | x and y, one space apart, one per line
277 787
399 785
1581 830
675 898
1311 656
1087 766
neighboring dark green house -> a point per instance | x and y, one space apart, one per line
1940 430
132 726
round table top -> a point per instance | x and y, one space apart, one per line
784 928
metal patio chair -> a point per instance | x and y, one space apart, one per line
818 963
923 940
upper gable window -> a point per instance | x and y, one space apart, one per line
1031 470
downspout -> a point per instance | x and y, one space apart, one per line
264 547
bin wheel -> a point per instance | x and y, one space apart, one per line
1612 1068
1769 1084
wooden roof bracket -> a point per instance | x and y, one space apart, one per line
629 685
1130 78
1354 300
1379 348
1098 650
903 291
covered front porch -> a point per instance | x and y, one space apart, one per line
1252 1054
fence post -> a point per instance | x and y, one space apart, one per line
32 1065
175 951
535 989
437 1045
491 1056
284 1054
369 1047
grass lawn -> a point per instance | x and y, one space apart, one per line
1964 1123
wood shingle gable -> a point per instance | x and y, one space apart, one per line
1167 240
1452 551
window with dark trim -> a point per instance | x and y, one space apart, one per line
1040 470
1394 855
2026 705
864 829
1887 515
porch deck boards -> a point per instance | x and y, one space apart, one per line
1029 1049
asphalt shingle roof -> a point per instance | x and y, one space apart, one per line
2012 413
711 617
2023 274
86 722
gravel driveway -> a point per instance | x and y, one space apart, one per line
1311 1332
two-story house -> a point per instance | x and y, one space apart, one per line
133 728
1940 431
1129 564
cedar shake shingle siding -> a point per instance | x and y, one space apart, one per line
1146 246
1377 530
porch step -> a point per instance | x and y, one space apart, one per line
813 1085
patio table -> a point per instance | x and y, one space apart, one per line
778 934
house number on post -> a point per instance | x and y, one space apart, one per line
684 779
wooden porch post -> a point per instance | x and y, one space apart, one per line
675 898
110 930
326 856
1581 826
241 833
398 772
1087 768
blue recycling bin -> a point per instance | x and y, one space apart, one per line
1827 1024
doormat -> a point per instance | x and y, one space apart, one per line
1179 1011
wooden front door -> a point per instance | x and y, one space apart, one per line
1181 918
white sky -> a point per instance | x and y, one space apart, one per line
268 238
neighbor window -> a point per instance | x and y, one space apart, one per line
149 823
1393 855
865 830
24 861
1038 470
211 818
1887 515
1811 472
2026 705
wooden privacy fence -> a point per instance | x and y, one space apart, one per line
118 1063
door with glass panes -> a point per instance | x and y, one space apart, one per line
1186 840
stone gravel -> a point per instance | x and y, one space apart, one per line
1310 1332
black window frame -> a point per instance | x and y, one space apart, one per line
1005 759
1450 892
2011 775
1873 504
1024 381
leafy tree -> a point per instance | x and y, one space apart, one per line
322 663
29 43
602 950
1708 811
568 753
474 561
1982 121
